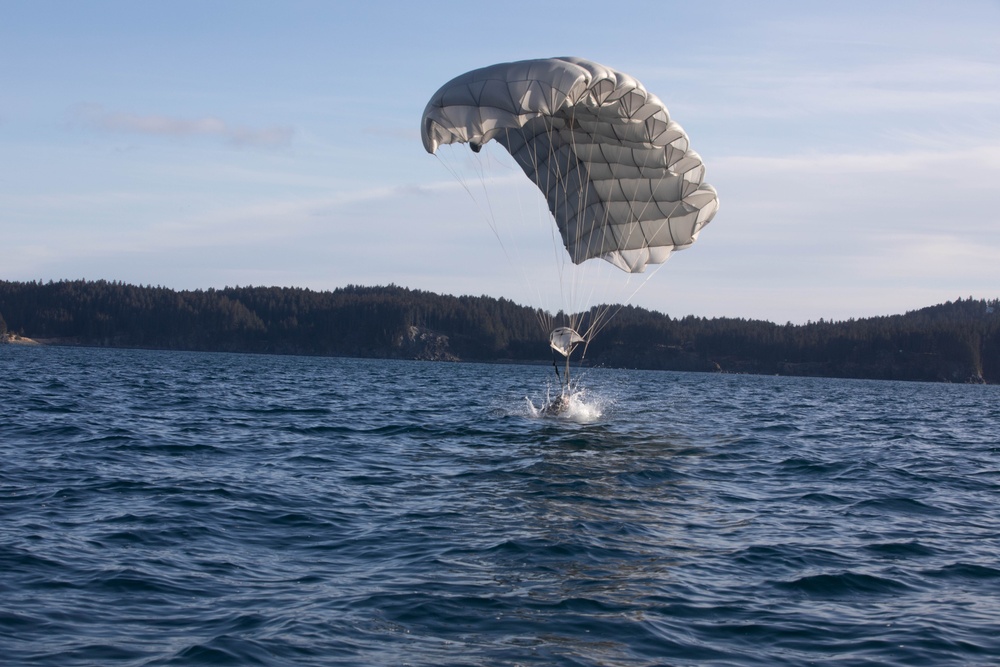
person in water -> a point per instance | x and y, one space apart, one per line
557 405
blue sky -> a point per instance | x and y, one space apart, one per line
855 146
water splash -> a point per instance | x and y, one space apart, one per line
573 403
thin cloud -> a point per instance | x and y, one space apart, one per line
776 88
985 157
944 257
169 126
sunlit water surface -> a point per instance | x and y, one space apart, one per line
166 508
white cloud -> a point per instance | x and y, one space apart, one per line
167 126
944 258
769 87
971 158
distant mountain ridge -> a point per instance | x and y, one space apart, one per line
952 342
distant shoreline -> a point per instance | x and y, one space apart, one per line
951 342
14 339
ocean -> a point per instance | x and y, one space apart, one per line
173 508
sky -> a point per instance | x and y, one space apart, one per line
855 146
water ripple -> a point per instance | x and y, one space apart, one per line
189 509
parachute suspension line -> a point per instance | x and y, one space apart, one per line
580 303
606 312
562 170
518 262
530 153
601 314
551 176
546 180
488 213
491 220
595 312
599 326
581 295
542 315
565 165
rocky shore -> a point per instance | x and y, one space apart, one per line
14 339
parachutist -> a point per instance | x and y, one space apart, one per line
557 406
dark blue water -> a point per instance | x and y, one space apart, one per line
189 509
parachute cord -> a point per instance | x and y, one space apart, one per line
489 215
604 319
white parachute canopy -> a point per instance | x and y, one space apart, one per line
618 174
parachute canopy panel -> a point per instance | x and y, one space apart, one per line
618 173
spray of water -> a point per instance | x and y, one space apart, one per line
573 403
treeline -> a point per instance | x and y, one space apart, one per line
955 342
352 321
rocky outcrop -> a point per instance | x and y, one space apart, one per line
15 339
426 345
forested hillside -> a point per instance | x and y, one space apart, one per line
955 342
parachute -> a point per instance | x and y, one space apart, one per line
617 172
